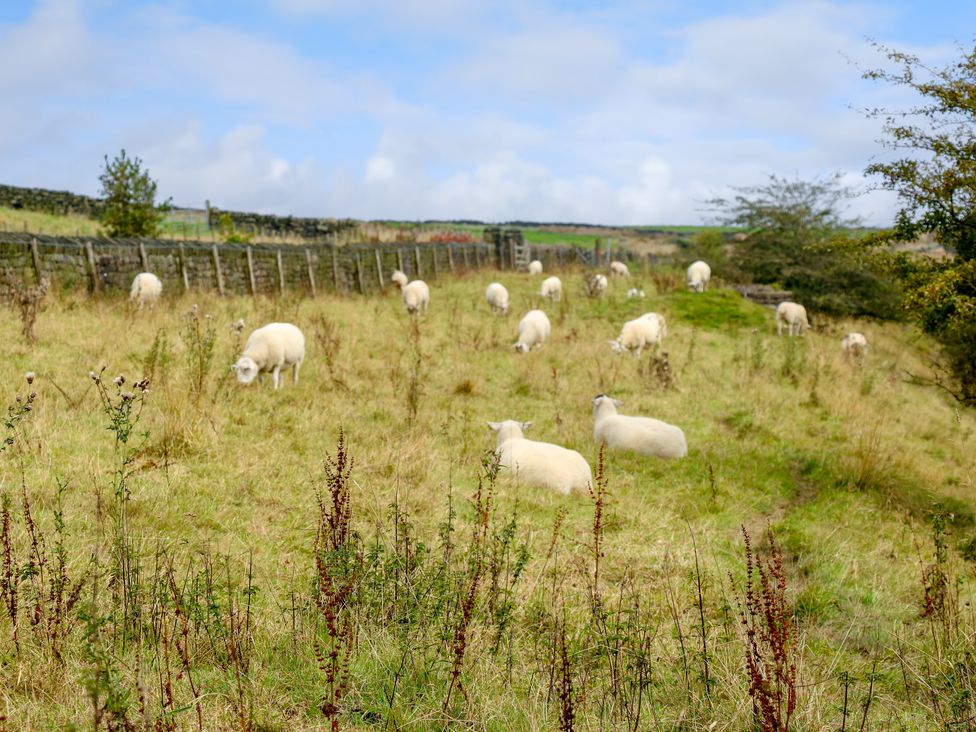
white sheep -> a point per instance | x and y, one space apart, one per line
633 293
270 348
619 269
146 289
795 317
535 267
596 285
398 279
647 330
552 287
854 345
699 273
641 434
540 463
497 297
533 329
416 296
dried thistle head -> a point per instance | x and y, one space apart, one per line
29 377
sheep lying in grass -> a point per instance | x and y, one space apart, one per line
647 330
398 279
795 317
596 285
619 269
634 293
854 345
146 289
535 267
497 297
552 287
416 296
540 463
644 435
699 273
270 348
533 329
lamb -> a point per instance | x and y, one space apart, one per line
854 345
552 287
497 297
146 289
270 348
699 273
398 279
795 317
533 329
416 296
619 269
634 293
596 285
540 463
644 435
647 330
535 267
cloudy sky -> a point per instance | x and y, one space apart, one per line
610 111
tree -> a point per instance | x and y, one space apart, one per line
130 198
798 239
934 175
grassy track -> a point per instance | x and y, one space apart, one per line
845 465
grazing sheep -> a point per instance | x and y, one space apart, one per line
552 287
699 274
497 297
647 330
398 279
535 267
540 463
269 349
795 317
619 269
854 345
596 285
641 434
416 296
634 293
533 329
146 289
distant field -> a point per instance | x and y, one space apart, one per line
187 518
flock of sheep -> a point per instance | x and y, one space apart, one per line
277 346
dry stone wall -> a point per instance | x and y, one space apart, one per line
54 202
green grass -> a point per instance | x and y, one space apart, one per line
782 437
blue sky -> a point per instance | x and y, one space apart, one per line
618 112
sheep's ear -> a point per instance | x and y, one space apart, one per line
495 425
617 402
526 425
233 367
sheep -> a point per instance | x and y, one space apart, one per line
146 289
270 348
416 296
552 287
497 297
795 317
533 329
540 463
644 435
398 279
619 269
699 273
535 267
634 293
854 345
596 285
647 330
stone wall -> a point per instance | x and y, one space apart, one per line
53 202
311 229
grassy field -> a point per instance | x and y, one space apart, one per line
198 556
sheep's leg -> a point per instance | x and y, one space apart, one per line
779 327
276 376
295 370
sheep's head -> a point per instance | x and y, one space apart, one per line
520 347
616 346
246 369
600 400
509 429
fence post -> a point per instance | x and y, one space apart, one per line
433 256
379 268
143 258
36 258
183 272
359 274
416 259
464 255
250 270
311 270
399 259
90 256
217 271
450 257
281 272
335 269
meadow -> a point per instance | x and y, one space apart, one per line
188 553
